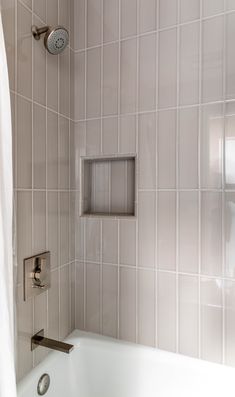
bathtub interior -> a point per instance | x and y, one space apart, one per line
104 367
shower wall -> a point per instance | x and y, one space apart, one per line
157 78
40 91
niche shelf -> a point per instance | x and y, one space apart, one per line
108 186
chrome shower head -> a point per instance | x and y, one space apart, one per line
56 39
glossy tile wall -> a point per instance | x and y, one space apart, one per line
157 78
40 91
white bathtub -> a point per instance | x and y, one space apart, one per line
104 367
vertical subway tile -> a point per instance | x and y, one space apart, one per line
52 11
78 22
127 240
146 227
166 311
39 221
24 230
110 135
79 86
92 297
229 288
147 15
166 149
94 18
147 151
110 241
109 300
211 319
93 137
188 316
128 76
212 55
111 20
39 69
64 83
127 134
211 233
147 72
53 306
167 69
110 79
52 150
229 217
94 82
188 232
167 13
63 153
229 146
52 82
127 304
52 225
212 7
39 147
128 18
24 143
64 302
146 307
92 240
230 58
189 64
40 322
211 146
189 10
230 5
79 296
188 148
64 227
166 230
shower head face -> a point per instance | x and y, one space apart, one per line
56 40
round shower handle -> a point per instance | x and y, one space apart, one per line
37 32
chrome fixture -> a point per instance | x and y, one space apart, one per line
39 340
43 384
37 275
55 40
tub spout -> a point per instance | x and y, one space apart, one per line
39 340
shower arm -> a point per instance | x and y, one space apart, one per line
37 32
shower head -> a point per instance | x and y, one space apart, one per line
55 40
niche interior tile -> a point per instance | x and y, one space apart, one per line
229 322
230 58
189 64
127 309
110 241
166 146
94 82
211 233
94 11
127 240
52 150
229 230
109 300
147 151
146 227
167 73
211 146
166 317
188 316
147 72
212 54
147 15
24 143
24 51
92 297
79 296
166 230
111 19
146 307
188 232
128 18
189 10
39 147
211 319
128 76
167 13
110 79
110 135
188 148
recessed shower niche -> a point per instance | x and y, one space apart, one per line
108 186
